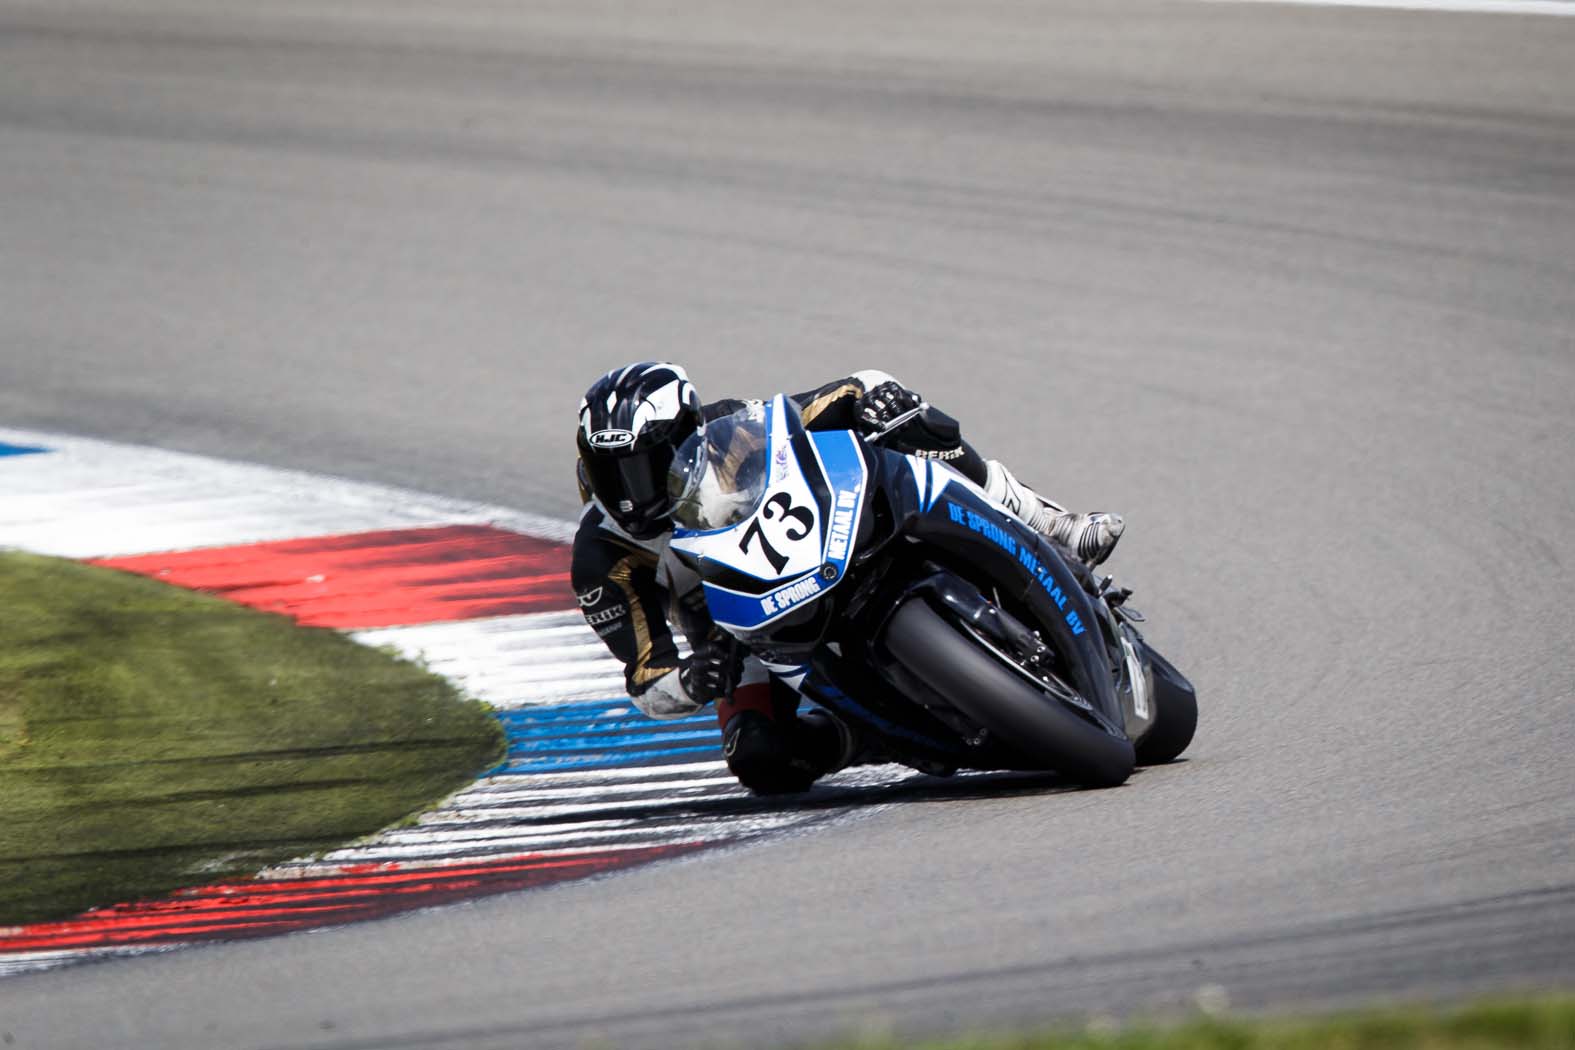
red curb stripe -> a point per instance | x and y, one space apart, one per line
378 579
222 912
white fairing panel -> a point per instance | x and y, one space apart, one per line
787 543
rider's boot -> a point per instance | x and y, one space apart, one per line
1090 536
773 751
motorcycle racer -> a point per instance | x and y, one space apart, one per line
632 593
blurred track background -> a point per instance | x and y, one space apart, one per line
1292 287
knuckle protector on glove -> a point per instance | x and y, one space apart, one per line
884 403
712 670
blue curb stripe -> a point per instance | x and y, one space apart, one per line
601 734
19 450
645 725
633 743
625 742
591 735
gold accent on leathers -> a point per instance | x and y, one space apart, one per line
621 574
851 388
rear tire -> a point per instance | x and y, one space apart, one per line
1025 719
1175 715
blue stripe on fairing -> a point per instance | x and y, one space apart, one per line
19 450
601 734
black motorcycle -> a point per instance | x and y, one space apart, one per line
916 608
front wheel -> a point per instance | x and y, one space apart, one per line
978 686
1175 714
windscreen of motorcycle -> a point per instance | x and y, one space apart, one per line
719 473
767 513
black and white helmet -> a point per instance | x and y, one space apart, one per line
631 420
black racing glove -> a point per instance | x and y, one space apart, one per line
882 404
931 433
712 670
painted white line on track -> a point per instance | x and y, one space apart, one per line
495 797
1479 7
492 814
451 847
662 774
32 961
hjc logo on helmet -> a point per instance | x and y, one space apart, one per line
611 439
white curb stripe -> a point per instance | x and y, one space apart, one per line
511 661
93 499
33 961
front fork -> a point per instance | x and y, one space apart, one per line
1134 675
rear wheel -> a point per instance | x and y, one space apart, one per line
978 685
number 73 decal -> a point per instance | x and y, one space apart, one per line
791 526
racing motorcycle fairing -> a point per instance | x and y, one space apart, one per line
793 543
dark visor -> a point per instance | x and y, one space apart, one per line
639 479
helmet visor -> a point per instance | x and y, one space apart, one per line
633 487
719 474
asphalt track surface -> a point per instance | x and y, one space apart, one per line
1293 288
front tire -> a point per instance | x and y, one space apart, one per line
1175 715
976 684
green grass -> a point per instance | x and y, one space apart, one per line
152 738
1538 1024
